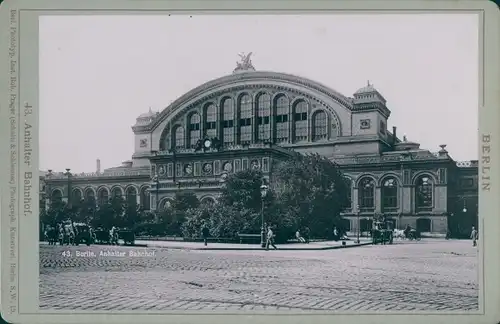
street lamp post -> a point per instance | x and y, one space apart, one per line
263 194
68 174
359 223
157 184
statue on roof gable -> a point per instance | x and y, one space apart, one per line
245 64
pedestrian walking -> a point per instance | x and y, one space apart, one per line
205 232
474 236
299 237
335 234
270 238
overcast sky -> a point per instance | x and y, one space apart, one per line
98 73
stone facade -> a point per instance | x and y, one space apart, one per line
253 119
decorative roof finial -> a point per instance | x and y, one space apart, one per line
245 64
368 83
150 111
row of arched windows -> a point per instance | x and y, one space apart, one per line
390 194
104 195
251 121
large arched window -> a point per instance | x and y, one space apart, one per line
389 195
263 117
227 122
207 201
366 193
211 120
300 121
116 192
145 202
90 197
245 105
423 193
282 124
320 126
76 197
57 196
194 130
179 138
165 204
131 196
102 196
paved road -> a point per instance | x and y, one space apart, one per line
425 275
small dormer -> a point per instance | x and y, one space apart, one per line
370 113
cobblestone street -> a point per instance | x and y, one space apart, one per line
426 275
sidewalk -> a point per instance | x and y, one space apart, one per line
325 245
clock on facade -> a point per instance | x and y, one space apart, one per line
207 143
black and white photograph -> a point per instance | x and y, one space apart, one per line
250 163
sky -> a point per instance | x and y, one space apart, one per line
98 73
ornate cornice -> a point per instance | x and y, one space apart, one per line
259 79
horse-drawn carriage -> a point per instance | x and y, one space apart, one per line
113 236
82 234
382 233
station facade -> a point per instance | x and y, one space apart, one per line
254 119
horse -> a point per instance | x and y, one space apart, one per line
399 234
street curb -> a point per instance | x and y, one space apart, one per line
259 248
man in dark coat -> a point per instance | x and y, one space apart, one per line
205 232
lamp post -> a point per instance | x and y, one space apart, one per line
359 223
68 174
156 180
263 194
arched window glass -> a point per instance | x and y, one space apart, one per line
211 120
102 196
194 130
320 126
300 121
423 193
145 202
76 197
179 137
131 196
245 104
366 192
282 122
57 196
389 194
116 192
227 122
263 117
90 197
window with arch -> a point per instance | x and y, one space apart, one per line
211 120
116 192
389 194
90 197
320 126
423 193
263 117
57 196
208 201
245 104
300 121
145 202
179 139
282 106
76 197
131 196
194 130
227 122
366 192
423 225
165 204
102 197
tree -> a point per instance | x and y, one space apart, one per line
311 191
242 190
184 200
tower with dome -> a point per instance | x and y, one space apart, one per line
254 119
